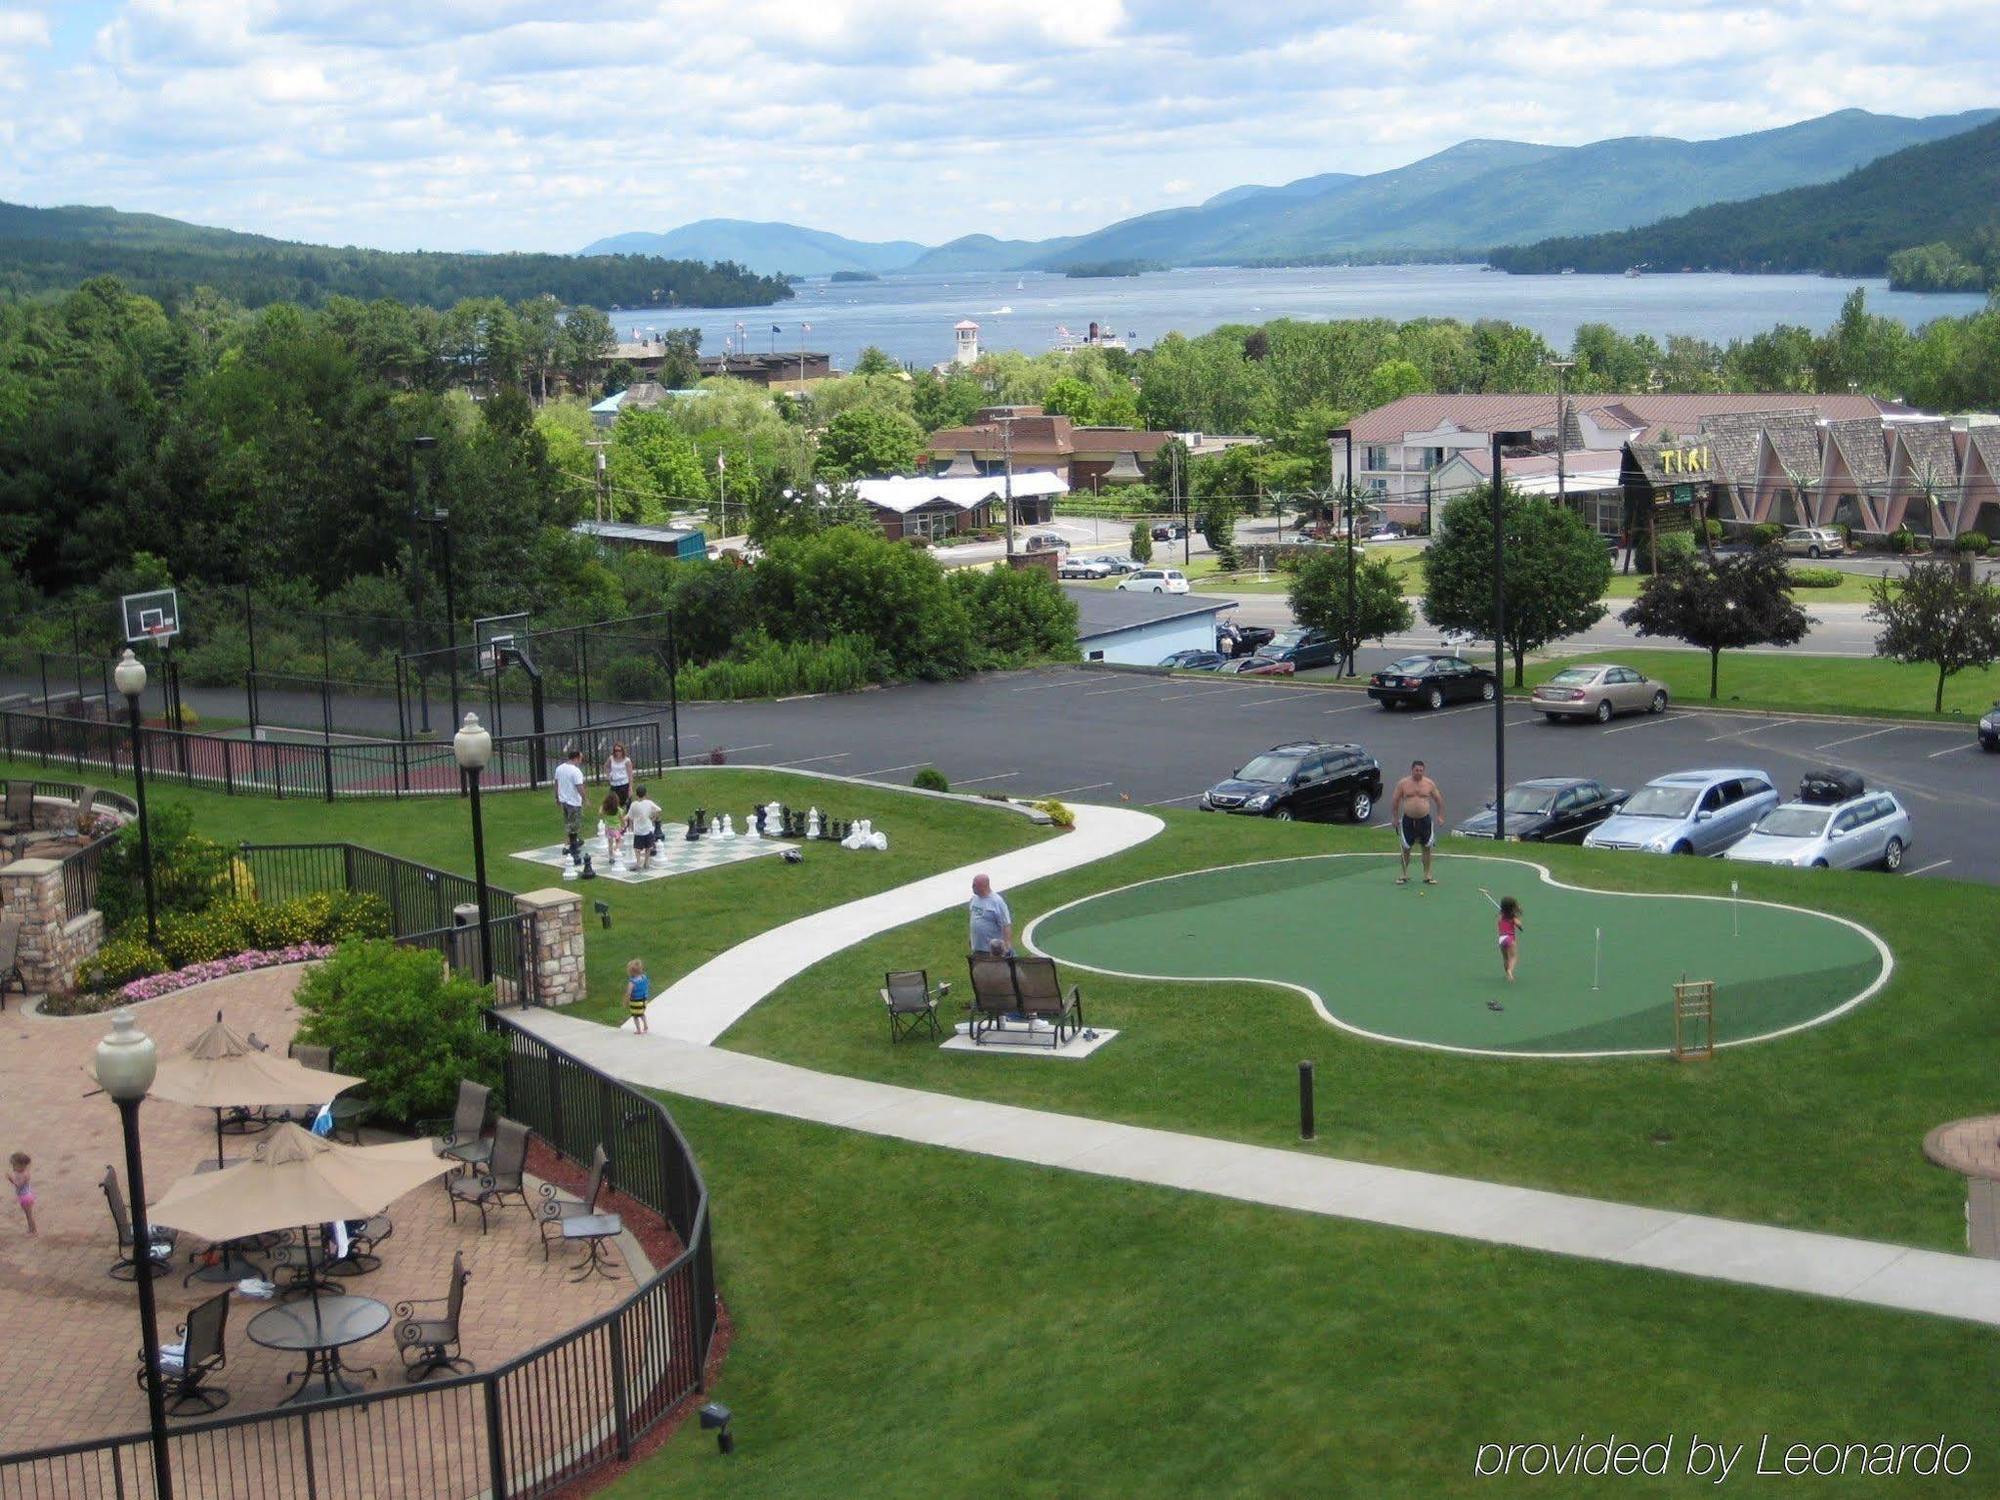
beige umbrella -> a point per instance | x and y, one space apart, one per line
296 1177
221 1070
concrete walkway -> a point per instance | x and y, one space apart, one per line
706 1003
680 1061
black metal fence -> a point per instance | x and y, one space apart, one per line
80 870
524 1429
321 767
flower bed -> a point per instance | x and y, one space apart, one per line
152 986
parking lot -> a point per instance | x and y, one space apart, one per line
1096 735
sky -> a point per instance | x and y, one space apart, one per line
519 125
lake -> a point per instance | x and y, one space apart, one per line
910 317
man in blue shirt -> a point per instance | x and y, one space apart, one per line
991 921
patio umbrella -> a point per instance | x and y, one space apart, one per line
297 1178
221 1070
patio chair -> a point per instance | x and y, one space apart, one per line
465 1142
992 992
430 1344
81 814
186 1366
1043 998
10 958
17 815
307 1055
502 1179
126 1267
555 1208
911 1001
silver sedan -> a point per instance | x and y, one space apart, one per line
1597 690
1868 830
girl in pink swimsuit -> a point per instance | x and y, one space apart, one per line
24 1192
1510 933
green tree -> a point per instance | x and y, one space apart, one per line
1725 605
1016 616
1390 380
1321 601
872 361
868 441
1557 571
654 467
850 581
583 349
1142 543
1938 614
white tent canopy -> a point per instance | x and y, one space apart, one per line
904 494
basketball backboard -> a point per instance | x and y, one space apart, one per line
152 616
495 631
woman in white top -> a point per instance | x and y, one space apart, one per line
618 775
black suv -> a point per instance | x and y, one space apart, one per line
1305 779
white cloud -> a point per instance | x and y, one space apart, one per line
506 123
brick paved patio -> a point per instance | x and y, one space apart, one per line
65 1318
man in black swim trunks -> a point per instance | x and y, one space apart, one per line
1418 804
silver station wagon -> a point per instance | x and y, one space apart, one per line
1873 829
1688 812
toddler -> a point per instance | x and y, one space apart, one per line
1510 934
638 990
24 1192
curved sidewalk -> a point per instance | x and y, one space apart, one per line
681 1061
706 1003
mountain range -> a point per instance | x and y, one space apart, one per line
1458 202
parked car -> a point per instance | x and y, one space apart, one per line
1169 531
1046 541
1549 809
1302 779
1388 531
1687 812
1989 729
1872 829
1155 581
1812 541
1118 562
1302 648
1597 690
1196 661
1083 567
1232 639
1258 666
1431 678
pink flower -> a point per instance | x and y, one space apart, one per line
154 985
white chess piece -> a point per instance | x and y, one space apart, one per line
880 841
774 819
853 839
728 826
812 823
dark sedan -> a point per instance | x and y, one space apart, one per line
1431 679
1232 639
1549 809
1303 779
1302 648
1195 661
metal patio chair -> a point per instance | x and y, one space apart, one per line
503 1177
126 1267
556 1208
185 1368
10 958
911 1002
466 1142
430 1343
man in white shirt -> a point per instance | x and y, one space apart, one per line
992 923
644 816
569 797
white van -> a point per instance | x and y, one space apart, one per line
1155 581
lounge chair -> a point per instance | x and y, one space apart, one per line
186 1366
126 1267
10 958
1043 998
556 1208
502 1178
992 992
430 1344
911 1002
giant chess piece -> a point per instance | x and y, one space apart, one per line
588 872
728 828
812 823
756 821
773 820
852 839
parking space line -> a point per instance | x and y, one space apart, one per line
1853 738
1517 723
1072 790
1351 708
809 759
1647 722
890 770
1100 692
975 780
1934 865
1170 801
740 749
1951 750
1260 702
1755 729
1036 687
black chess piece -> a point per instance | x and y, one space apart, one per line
589 872
760 820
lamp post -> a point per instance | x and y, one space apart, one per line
130 675
419 447
1500 439
440 523
472 746
1344 436
126 1061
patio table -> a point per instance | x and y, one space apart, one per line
320 1329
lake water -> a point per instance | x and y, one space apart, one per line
910 317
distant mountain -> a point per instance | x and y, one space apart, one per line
982 252
1304 187
1944 191
769 249
54 249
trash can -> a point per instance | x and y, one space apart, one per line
463 950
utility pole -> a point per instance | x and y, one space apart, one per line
1007 450
1562 367
1344 436
1187 527
1500 637
722 492
603 473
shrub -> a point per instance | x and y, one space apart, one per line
236 924
189 870
930 779
1902 540
1766 534
395 1017
1714 529
1058 814
1142 543
1846 533
1971 541
764 668
1676 547
119 961
718 756
1815 578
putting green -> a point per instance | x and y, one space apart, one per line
1418 964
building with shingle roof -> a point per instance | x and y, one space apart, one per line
1923 477
1854 479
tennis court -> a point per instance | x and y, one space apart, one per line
1418 964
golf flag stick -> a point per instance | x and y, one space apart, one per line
1735 913
1489 896
1597 959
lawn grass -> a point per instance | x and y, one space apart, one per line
675 924
916 1322
1795 683
1821 1129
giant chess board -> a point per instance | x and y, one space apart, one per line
673 855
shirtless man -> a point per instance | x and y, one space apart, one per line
1418 804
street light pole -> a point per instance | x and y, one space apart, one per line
1345 437
1007 448
130 676
419 446
1500 638
1562 367
472 747
126 1062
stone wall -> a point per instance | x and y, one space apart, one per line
53 946
558 955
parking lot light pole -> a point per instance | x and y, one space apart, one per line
1345 437
130 677
472 747
1500 440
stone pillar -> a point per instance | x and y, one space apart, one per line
53 946
558 956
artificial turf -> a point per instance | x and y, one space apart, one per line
1434 974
